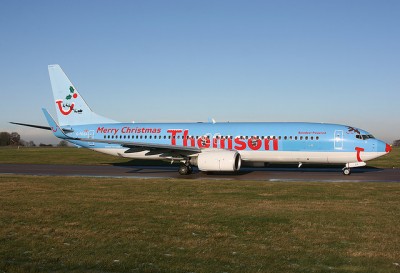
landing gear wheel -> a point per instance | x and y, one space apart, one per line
190 169
346 171
184 170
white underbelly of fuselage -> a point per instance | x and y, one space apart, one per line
264 156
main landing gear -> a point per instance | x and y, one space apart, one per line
185 169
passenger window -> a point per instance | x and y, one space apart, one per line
317 137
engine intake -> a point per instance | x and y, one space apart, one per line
228 161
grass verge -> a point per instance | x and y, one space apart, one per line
58 224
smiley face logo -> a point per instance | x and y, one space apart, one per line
67 108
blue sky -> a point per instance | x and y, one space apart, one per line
167 61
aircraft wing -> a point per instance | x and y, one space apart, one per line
153 148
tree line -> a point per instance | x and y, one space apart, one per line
14 139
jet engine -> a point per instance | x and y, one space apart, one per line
227 161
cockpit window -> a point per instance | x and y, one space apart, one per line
365 137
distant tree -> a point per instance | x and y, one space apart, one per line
5 138
15 138
30 144
45 145
396 143
62 143
22 143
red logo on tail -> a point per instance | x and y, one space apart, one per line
60 107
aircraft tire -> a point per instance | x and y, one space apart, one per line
346 171
184 170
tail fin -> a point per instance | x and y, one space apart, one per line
71 108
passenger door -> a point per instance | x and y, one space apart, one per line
338 140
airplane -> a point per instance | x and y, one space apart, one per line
211 146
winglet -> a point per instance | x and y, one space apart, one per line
55 128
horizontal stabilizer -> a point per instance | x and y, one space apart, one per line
54 127
32 125
39 126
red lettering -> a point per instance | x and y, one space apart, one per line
186 137
230 144
173 135
215 140
274 144
222 143
203 142
254 144
241 145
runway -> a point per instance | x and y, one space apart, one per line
257 174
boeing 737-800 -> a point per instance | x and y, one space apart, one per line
209 146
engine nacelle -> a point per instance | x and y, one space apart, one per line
227 161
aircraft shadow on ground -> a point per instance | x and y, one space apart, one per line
161 166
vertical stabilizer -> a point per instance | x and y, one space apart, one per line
71 108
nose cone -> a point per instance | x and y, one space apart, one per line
388 148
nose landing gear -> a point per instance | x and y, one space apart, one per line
346 171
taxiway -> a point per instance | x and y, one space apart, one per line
258 174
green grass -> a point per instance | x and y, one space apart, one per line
72 156
75 156
57 224
391 160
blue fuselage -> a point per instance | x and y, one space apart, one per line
244 137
